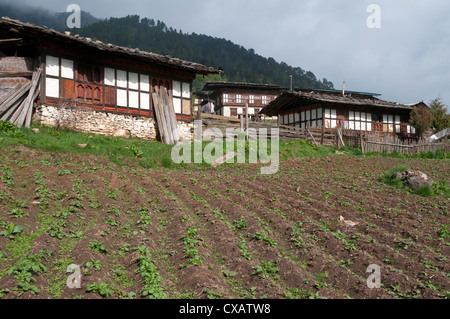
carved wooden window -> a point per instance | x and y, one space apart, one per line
89 86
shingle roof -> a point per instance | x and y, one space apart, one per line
211 86
44 32
293 99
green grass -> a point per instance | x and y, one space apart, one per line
153 154
149 154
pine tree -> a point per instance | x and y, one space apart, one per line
441 120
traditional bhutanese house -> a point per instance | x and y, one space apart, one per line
93 86
352 110
231 98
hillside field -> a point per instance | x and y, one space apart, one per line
197 232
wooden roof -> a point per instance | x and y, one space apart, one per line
290 100
212 86
43 33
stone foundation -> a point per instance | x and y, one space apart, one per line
91 121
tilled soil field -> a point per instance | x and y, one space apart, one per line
228 232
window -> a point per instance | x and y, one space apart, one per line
67 69
88 83
52 81
309 118
360 121
388 123
88 74
181 92
264 99
330 118
238 98
225 98
251 99
397 124
410 129
124 89
52 87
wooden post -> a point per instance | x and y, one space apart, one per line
362 141
340 136
246 119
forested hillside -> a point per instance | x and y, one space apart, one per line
239 64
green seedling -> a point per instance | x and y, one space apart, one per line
102 288
11 230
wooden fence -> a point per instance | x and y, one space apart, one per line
366 141
383 142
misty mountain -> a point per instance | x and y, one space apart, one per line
42 17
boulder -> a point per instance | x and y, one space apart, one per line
122 133
414 179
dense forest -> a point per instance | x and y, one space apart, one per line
238 63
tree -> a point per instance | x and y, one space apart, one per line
421 118
441 120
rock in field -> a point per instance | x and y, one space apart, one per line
414 179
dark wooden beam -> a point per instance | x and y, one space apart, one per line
11 74
11 41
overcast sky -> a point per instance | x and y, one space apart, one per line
406 60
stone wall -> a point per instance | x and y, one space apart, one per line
88 120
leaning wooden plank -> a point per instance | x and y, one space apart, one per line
312 138
14 90
16 113
9 99
160 118
173 118
30 110
12 100
7 115
165 108
340 137
29 100
172 115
